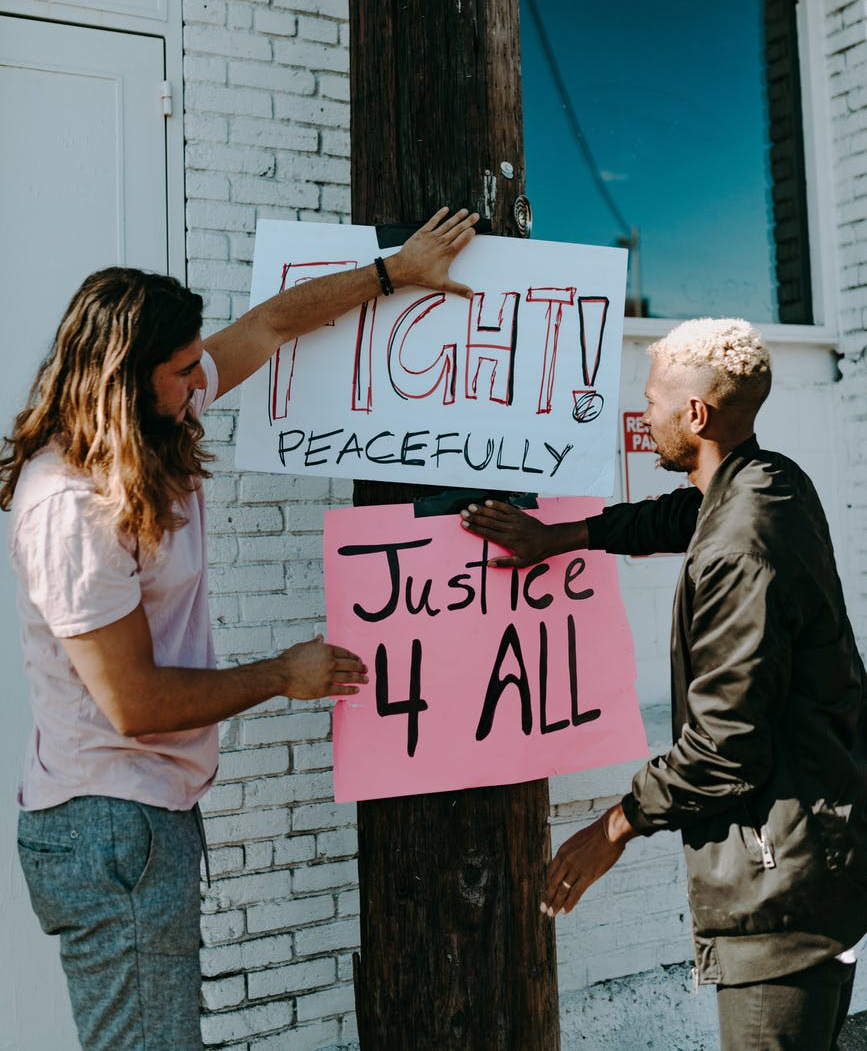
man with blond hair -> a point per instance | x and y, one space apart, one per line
766 778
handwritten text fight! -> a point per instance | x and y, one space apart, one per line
419 367
515 388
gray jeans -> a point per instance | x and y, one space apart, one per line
804 1011
118 881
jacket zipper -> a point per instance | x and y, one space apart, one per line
765 847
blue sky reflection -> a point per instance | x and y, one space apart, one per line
671 100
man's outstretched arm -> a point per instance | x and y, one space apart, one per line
244 346
665 523
137 696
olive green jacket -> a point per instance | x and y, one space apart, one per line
767 774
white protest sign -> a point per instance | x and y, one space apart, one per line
513 390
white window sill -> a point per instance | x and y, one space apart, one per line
650 328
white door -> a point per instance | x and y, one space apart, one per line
82 186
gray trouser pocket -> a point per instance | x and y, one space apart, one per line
118 881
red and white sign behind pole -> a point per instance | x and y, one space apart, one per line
643 478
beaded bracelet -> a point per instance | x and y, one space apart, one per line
382 274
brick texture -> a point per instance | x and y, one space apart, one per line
266 124
267 130
846 58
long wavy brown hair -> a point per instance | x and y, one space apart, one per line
91 398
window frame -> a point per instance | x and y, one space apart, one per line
824 332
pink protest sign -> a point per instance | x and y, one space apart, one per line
478 676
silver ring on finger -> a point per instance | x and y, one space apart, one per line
568 886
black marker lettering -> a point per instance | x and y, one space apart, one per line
593 713
386 457
558 456
505 466
524 467
352 446
314 450
483 564
497 686
424 601
488 455
544 600
544 725
413 703
283 448
390 551
573 570
438 452
406 447
455 582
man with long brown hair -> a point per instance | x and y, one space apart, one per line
103 475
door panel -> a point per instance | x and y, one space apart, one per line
82 186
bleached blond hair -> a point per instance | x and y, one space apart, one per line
730 350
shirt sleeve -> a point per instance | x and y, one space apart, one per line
739 661
203 399
72 566
665 524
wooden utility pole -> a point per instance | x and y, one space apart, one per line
455 955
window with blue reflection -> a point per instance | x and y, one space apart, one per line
673 128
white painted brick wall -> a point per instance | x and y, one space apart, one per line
266 118
266 122
847 65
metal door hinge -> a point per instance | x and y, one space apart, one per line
166 97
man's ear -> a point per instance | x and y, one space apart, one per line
699 415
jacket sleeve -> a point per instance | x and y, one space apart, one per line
738 669
649 526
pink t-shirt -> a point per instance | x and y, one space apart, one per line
76 575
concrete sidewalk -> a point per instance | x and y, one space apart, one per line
854 1034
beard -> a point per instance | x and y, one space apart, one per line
156 424
678 466
676 454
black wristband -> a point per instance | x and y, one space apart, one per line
382 274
